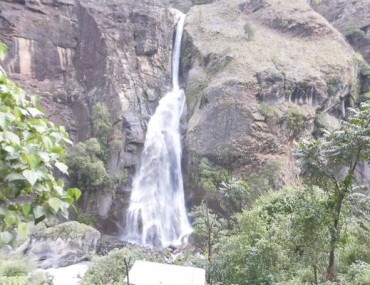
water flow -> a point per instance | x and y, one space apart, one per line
157 214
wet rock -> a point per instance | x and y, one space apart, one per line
77 53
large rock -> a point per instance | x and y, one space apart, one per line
352 18
62 245
77 53
258 73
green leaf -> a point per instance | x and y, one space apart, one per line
39 212
5 237
23 230
74 192
3 50
48 144
55 203
26 209
62 167
14 176
31 176
12 138
9 149
32 159
2 120
34 112
10 219
44 156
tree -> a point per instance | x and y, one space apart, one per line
88 171
281 239
31 147
208 228
106 131
330 163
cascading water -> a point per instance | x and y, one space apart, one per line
157 215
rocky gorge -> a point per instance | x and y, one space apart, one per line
259 75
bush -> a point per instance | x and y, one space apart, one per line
31 148
111 269
18 280
358 274
249 31
13 266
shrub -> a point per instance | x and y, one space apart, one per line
12 266
31 148
111 269
249 31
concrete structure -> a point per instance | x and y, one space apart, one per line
151 273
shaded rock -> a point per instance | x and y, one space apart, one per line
108 243
257 73
77 53
351 18
181 5
62 245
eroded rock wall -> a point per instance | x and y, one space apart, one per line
74 53
351 18
260 76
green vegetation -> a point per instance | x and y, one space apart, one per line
17 270
88 160
248 31
330 162
88 170
296 118
212 177
314 233
67 230
31 148
12 266
208 228
268 110
112 269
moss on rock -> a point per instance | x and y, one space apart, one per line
68 230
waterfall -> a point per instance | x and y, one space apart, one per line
157 215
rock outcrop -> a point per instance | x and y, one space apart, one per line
62 245
75 53
351 18
259 76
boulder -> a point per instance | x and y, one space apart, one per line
62 245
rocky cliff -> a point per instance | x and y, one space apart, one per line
351 18
259 75
76 53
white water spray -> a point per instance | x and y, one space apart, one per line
157 214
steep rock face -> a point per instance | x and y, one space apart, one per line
75 53
352 18
259 76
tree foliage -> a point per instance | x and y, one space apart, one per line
208 228
31 147
284 238
330 162
88 171
88 160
